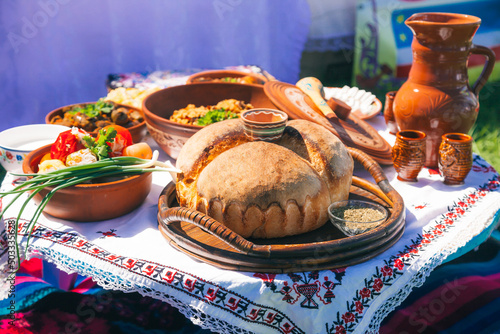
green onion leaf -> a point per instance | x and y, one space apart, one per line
70 176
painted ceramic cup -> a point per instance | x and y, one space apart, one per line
408 154
264 124
455 157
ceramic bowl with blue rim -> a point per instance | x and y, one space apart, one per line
17 142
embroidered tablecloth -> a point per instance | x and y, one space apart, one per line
130 254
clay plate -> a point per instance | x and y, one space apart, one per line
218 74
353 131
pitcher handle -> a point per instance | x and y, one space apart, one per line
488 66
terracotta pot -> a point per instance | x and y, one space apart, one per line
137 131
436 98
455 157
408 154
91 202
159 106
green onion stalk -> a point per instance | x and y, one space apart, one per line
70 176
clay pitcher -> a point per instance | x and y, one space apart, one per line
437 98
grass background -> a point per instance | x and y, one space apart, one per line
486 130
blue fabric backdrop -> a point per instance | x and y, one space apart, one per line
58 52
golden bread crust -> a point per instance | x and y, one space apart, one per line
260 189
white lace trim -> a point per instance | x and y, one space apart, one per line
110 276
107 280
112 281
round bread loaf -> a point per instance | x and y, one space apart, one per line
261 189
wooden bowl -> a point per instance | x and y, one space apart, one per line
91 202
159 106
219 74
137 131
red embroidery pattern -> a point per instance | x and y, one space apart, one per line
433 171
384 276
420 206
178 280
307 286
480 167
108 234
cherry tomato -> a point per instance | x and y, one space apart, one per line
123 132
66 143
122 139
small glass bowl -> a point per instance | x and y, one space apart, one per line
362 208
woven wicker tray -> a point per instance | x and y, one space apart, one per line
207 240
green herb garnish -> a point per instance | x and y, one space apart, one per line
94 109
229 79
100 147
214 116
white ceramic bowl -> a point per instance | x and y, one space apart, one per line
16 143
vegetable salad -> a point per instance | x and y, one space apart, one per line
76 147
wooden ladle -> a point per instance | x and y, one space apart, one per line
332 109
313 88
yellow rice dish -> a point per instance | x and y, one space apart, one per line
132 97
226 109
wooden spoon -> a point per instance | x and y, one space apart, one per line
313 88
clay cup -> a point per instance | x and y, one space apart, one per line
264 124
408 154
455 157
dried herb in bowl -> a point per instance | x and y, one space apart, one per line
358 214
354 217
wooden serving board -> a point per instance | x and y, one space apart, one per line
353 131
209 241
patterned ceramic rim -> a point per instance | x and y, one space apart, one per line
265 111
411 135
11 160
265 130
457 137
12 156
